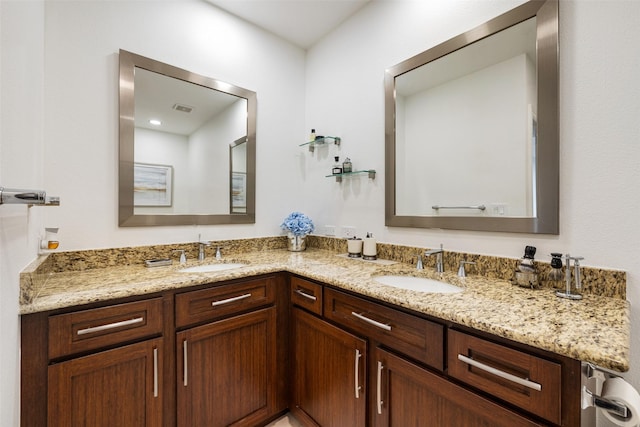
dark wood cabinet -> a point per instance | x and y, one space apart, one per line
240 352
226 371
329 384
408 395
119 387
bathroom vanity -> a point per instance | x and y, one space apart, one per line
308 332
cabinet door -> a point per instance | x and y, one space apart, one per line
119 387
226 370
407 395
329 373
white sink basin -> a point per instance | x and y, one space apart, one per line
211 267
420 284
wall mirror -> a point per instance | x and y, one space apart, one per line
176 166
471 128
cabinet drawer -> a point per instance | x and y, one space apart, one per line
206 304
307 295
100 327
530 382
413 336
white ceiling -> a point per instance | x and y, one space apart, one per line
302 22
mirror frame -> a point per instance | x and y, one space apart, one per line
126 216
547 175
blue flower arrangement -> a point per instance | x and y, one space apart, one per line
298 224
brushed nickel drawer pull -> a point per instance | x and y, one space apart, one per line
371 321
379 401
311 297
228 300
357 380
155 372
497 372
110 326
185 369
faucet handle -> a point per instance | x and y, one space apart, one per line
183 257
218 253
461 270
419 264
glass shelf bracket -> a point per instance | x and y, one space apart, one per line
338 176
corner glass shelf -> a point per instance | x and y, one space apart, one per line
322 140
338 176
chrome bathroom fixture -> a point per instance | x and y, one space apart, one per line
27 197
567 272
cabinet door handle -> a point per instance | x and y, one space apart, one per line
185 368
155 372
228 300
357 376
497 372
311 297
109 326
379 388
371 321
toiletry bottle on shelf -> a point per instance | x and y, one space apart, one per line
347 166
369 250
313 135
337 168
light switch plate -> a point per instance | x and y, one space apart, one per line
329 230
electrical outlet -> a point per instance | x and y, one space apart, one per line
349 231
329 230
498 209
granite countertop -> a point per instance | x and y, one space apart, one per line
595 329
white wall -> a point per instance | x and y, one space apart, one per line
59 127
21 144
599 135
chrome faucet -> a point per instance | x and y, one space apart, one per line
576 272
461 271
419 265
201 252
439 253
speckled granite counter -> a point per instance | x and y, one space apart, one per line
596 329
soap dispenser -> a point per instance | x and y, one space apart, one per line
369 249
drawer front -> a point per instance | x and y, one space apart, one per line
100 327
417 338
307 295
212 303
527 381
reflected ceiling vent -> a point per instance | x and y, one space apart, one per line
183 108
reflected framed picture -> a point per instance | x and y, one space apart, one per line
238 192
152 185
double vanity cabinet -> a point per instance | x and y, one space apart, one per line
244 351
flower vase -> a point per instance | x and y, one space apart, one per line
296 243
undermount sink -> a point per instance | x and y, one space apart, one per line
211 267
420 284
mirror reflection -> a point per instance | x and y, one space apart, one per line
176 165
188 127
467 122
471 126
